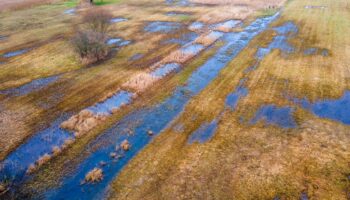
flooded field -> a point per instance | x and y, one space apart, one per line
174 99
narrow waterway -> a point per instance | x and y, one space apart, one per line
136 126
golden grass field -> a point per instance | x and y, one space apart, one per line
240 161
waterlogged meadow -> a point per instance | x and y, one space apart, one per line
175 99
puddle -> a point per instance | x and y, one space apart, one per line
203 133
286 28
280 41
119 42
304 196
134 126
229 24
273 115
136 56
315 7
162 27
117 100
195 26
251 68
15 53
178 3
233 98
165 69
118 19
192 49
325 52
35 85
334 109
16 163
2 37
175 13
70 11
316 51
184 39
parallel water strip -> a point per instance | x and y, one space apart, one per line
153 119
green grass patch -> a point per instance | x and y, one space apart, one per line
105 2
71 3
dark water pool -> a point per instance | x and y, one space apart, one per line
166 69
117 100
15 53
162 27
334 109
35 85
204 132
274 115
183 39
118 19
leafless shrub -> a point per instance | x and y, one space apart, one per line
91 46
90 42
97 20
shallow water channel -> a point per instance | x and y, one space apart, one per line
134 126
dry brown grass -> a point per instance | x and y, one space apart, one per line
125 145
7 5
56 151
82 122
140 82
206 40
95 175
252 3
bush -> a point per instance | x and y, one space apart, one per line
90 42
91 46
97 20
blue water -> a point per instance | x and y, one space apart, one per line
136 56
226 24
117 100
304 196
178 3
162 27
118 19
165 70
196 26
184 39
70 11
16 163
154 118
273 115
192 49
217 34
35 85
334 109
2 37
203 133
315 51
118 42
310 51
325 52
233 98
15 53
285 31
287 28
